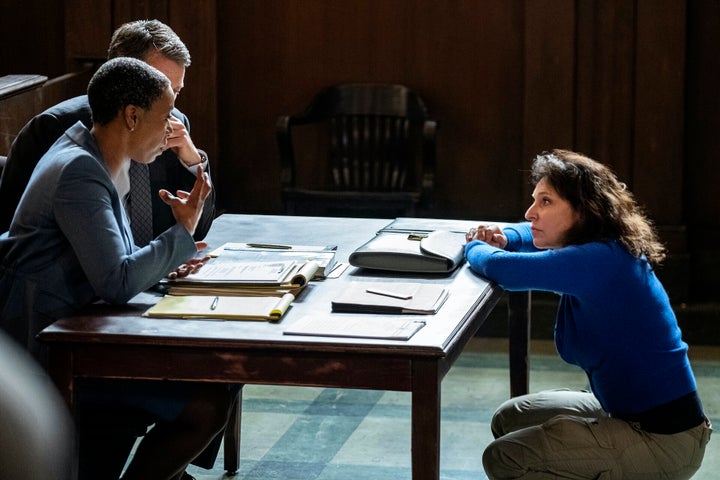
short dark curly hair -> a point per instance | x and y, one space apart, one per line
120 82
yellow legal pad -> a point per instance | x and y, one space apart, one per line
228 307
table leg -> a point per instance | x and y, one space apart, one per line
519 336
426 420
60 368
231 440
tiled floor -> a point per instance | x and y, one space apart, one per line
296 433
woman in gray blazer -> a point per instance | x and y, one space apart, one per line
70 244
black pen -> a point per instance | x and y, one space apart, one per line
269 245
214 303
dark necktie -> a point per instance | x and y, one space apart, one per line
140 204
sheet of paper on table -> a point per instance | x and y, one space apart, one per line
357 326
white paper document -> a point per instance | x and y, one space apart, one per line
358 326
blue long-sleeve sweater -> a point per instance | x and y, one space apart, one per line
614 318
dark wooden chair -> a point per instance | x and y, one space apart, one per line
365 150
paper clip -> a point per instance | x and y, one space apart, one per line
417 236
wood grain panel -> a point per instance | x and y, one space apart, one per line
549 106
464 58
659 108
88 27
31 38
702 121
130 10
194 21
605 85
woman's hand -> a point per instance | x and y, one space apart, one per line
490 234
191 266
187 207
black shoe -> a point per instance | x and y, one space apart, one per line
187 476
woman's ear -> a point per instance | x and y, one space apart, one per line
130 115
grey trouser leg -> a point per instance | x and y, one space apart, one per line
565 435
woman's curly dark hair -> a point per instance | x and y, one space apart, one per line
606 208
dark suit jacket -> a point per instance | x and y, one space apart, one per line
38 135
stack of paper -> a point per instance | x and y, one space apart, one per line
222 277
323 256
245 281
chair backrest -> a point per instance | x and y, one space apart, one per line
380 138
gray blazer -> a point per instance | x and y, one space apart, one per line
70 243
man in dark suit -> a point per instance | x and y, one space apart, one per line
156 44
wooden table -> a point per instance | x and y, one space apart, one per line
116 342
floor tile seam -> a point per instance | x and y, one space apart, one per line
376 411
339 439
361 469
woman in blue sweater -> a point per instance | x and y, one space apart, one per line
587 240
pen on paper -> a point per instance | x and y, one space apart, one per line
214 303
386 293
269 245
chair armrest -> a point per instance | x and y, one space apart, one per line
283 134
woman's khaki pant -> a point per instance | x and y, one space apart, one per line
561 434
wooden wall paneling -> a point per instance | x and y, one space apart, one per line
549 90
195 22
32 38
702 149
88 27
252 91
129 10
467 59
605 84
659 108
502 88
279 54
702 120
464 58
